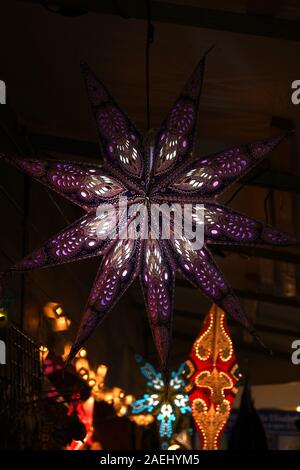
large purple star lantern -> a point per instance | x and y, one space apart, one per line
164 170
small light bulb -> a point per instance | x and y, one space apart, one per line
58 311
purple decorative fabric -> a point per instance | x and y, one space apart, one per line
164 172
157 280
121 143
207 177
175 138
86 185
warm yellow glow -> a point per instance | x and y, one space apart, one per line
102 370
96 446
217 382
49 309
61 323
81 364
58 310
3 317
43 353
67 349
108 397
3 314
92 379
114 396
174 447
142 420
210 420
122 411
214 345
129 399
206 346
54 311
298 408
116 391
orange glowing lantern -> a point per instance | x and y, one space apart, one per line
59 320
114 396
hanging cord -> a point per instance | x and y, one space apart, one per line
246 182
166 381
266 207
249 181
50 195
149 41
120 11
59 209
63 10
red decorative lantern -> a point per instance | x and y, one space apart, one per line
213 375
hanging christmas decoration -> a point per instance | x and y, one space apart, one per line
56 315
95 379
213 375
166 404
162 170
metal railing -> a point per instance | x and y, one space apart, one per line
20 387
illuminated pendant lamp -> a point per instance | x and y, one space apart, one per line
166 171
213 375
165 404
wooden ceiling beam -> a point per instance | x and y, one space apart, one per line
252 295
187 15
293 333
256 252
269 329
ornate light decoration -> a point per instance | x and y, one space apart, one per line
95 379
165 404
57 316
213 375
163 170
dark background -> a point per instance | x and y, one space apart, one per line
246 96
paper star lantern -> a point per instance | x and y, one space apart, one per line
163 170
213 376
166 404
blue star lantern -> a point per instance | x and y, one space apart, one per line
166 404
